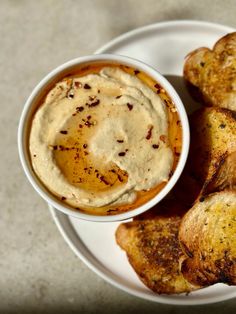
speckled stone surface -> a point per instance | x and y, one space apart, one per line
38 271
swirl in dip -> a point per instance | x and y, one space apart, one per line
101 139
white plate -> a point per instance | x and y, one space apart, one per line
164 46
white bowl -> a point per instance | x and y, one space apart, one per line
30 107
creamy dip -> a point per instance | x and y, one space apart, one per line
130 131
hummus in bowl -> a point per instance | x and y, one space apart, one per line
105 138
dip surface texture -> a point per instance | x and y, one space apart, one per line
115 134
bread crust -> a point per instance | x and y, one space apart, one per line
224 176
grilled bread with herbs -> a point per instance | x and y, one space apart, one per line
208 237
213 139
213 72
152 247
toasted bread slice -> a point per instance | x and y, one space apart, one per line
213 137
153 250
208 237
224 177
213 72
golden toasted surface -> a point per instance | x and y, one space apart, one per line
213 72
208 237
213 137
153 250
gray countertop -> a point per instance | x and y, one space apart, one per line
38 271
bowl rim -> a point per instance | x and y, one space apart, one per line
29 104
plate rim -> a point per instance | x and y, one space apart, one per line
163 24
58 217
